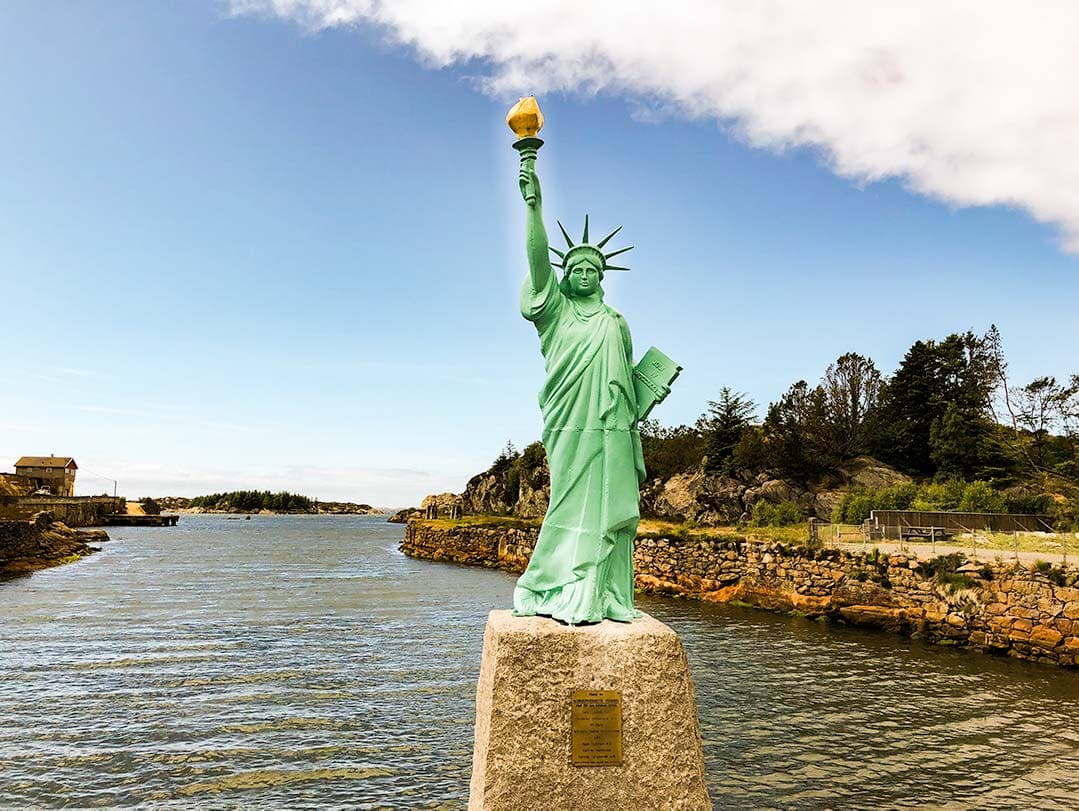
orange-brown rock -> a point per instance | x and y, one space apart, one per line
1045 637
1001 613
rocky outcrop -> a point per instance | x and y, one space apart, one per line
702 496
444 505
42 541
533 492
698 496
709 498
346 508
401 516
523 493
867 473
488 494
989 607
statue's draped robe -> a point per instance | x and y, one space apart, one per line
582 566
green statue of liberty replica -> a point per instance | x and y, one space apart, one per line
581 570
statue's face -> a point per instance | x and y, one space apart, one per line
583 278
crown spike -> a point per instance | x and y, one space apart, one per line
565 233
584 238
607 238
555 250
614 267
613 254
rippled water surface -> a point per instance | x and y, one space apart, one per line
302 662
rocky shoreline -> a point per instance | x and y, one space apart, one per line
40 542
999 608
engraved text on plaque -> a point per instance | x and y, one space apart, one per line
596 728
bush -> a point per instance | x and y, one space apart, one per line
940 496
897 497
979 497
785 514
763 514
951 495
788 515
149 506
854 508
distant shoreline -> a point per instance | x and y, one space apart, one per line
204 511
253 503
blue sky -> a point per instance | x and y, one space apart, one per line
237 250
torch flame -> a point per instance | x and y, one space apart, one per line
525 118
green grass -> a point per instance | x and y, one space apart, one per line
490 521
656 528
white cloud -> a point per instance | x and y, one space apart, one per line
970 102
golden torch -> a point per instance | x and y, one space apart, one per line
526 120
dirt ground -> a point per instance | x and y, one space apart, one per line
926 551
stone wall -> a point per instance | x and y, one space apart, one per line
75 511
997 608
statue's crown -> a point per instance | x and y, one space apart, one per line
584 247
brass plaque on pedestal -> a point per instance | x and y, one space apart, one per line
596 728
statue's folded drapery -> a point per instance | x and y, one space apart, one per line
582 566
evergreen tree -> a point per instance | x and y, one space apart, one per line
723 425
936 409
908 410
795 432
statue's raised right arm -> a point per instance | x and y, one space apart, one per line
539 262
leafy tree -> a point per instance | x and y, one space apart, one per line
811 430
750 453
670 450
952 442
852 388
1044 420
149 506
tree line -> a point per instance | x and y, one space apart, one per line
949 415
949 410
